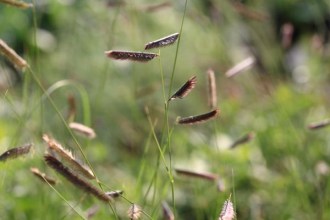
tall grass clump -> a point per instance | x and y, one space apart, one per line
164 110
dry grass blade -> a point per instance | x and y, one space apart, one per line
83 130
242 140
185 89
12 55
18 4
196 119
67 156
130 55
205 176
318 125
227 212
212 89
75 179
167 212
115 194
134 212
238 68
165 41
15 152
42 176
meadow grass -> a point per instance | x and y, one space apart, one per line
191 172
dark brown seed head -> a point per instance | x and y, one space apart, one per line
242 140
130 55
75 179
206 176
185 89
165 41
318 125
15 152
199 118
42 176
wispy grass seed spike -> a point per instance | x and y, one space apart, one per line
82 130
130 55
196 119
318 125
18 4
15 152
67 156
227 212
42 176
185 89
75 179
12 56
212 89
242 140
165 41
205 176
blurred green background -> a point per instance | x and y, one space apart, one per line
283 173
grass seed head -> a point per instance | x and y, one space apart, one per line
165 41
167 212
67 157
12 56
75 179
227 212
83 130
15 152
18 4
185 89
196 119
212 89
42 176
130 55
134 212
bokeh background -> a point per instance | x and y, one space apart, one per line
282 173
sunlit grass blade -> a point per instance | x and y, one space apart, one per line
227 212
196 119
185 89
15 152
130 55
242 140
18 4
212 89
188 173
67 156
165 41
75 179
42 176
12 56
83 130
241 66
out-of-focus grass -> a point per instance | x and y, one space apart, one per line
281 174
